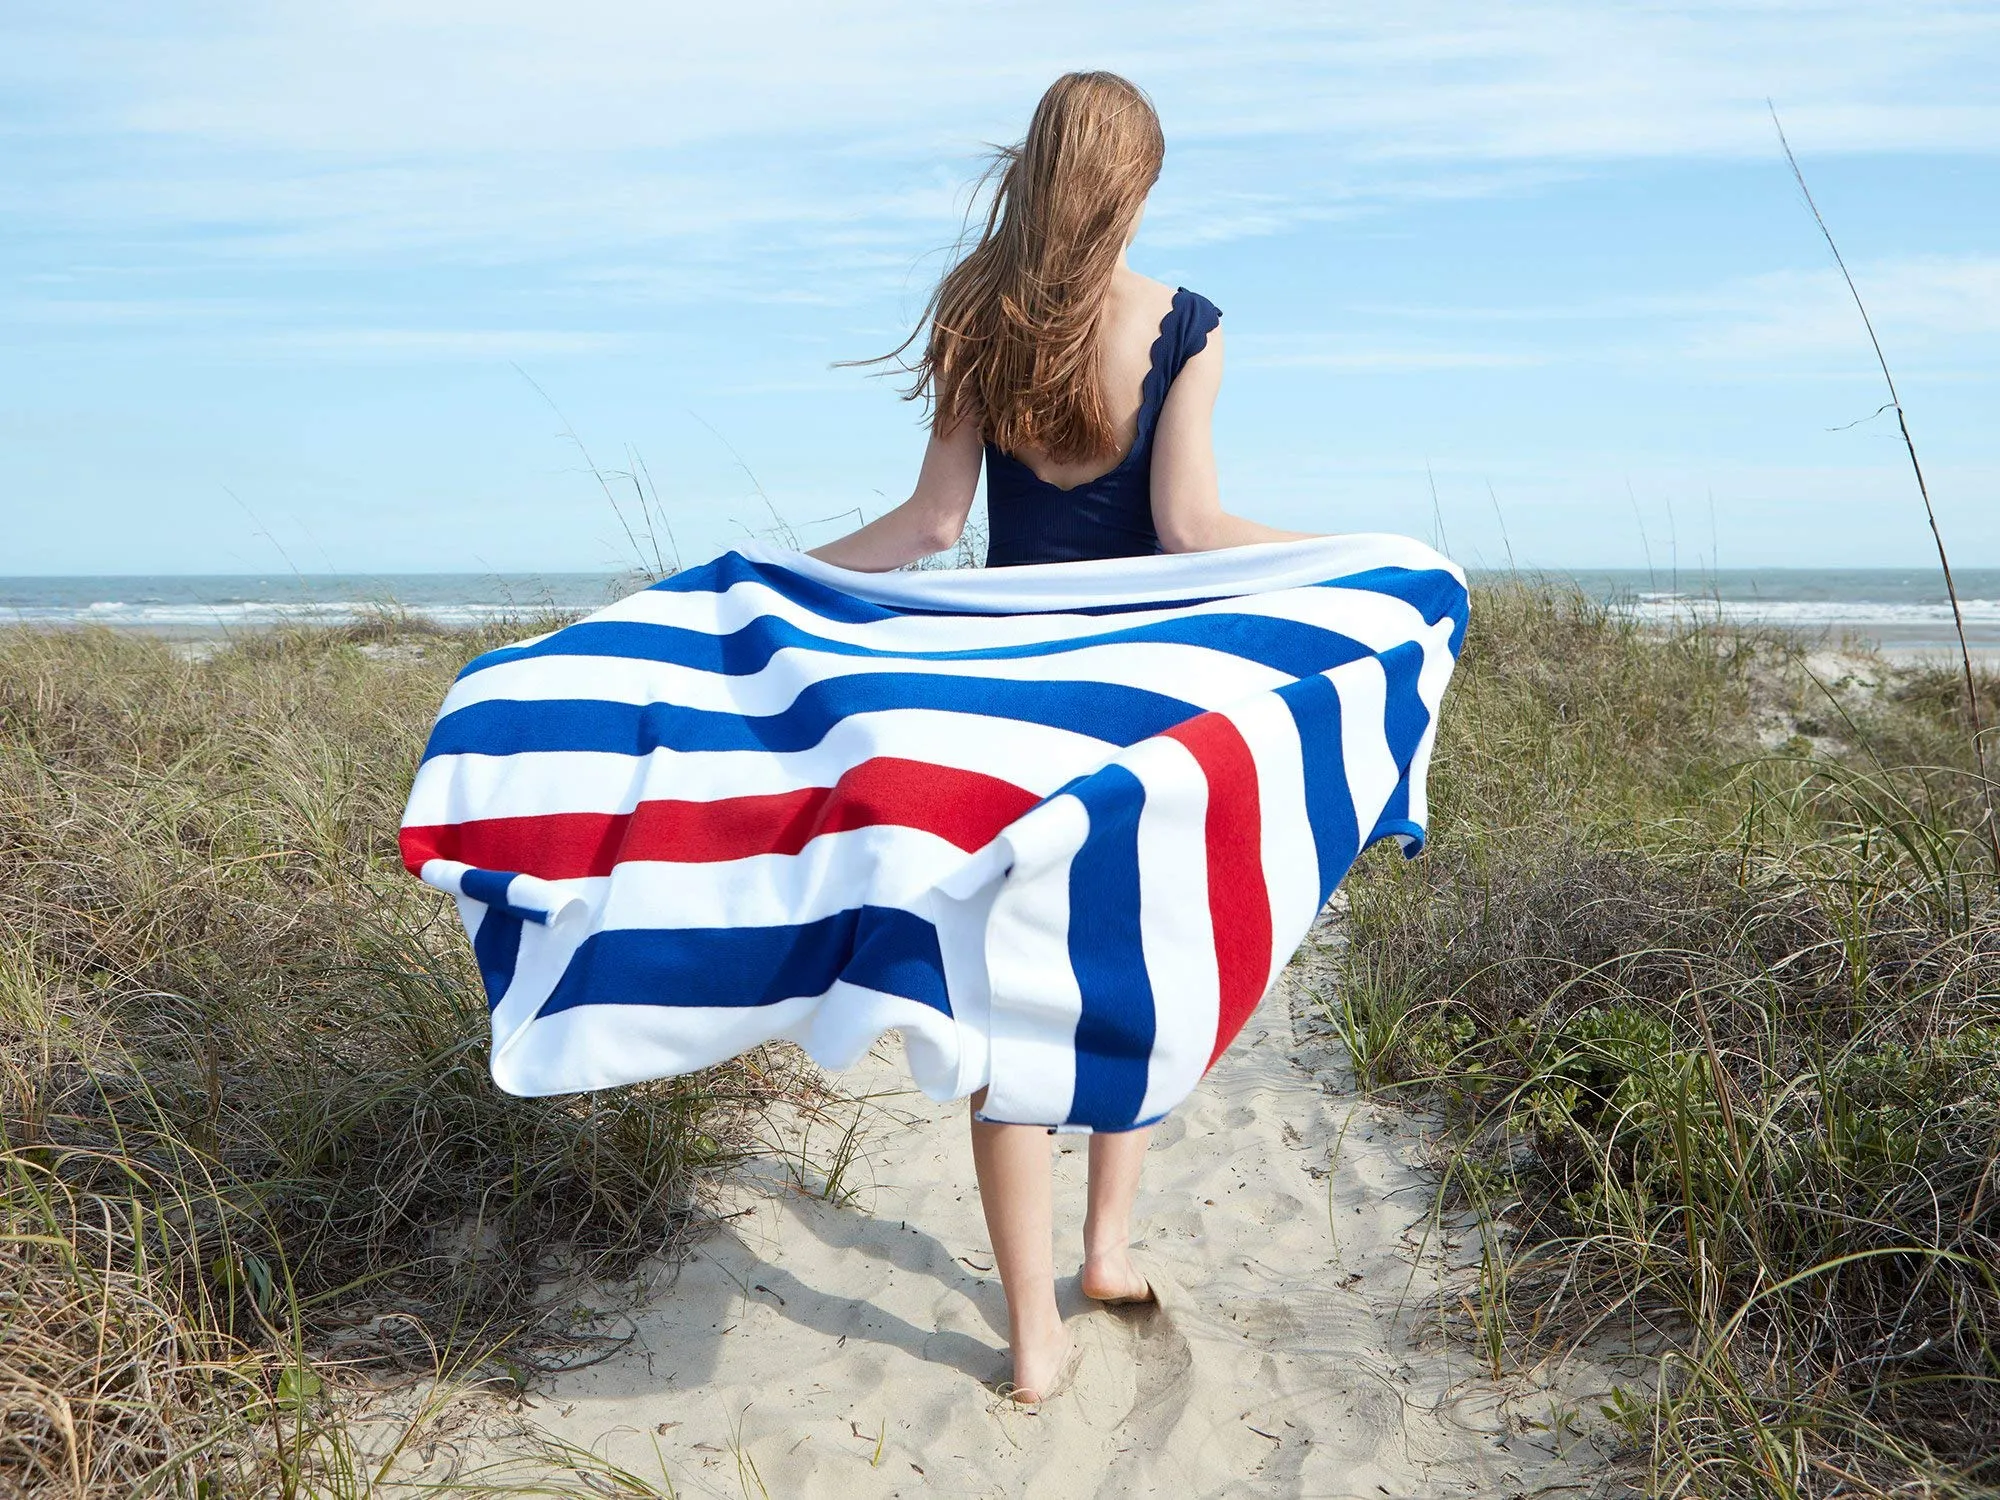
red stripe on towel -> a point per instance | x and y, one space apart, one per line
966 808
1239 904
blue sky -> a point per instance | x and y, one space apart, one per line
276 276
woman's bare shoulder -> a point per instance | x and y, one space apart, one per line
1142 292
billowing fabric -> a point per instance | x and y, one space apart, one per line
1029 520
1060 826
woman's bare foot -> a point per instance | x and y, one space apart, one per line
1040 1368
1112 1277
1108 1272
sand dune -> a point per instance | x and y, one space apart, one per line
810 1349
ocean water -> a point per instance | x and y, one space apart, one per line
202 604
1903 607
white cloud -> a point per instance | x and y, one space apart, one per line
437 343
1532 80
259 328
782 150
511 129
1942 311
1332 353
1925 308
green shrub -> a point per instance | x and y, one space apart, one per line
248 1145
1714 1034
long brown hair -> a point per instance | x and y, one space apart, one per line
1013 326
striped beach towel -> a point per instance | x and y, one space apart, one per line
1059 826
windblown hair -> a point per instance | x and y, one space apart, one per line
1013 326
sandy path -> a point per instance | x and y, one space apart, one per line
802 1333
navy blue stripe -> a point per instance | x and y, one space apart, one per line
1104 710
1395 813
1409 828
1431 592
1114 1033
876 946
1315 706
732 568
1404 721
496 948
489 886
1289 646
1122 607
1405 717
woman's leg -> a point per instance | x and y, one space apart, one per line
1108 1273
1014 1189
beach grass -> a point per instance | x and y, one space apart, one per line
252 1169
1701 974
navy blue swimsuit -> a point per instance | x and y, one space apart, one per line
1030 520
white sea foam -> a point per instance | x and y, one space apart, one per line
1655 607
249 614
1807 613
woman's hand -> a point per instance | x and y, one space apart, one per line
932 519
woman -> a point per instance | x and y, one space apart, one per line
1087 389
1058 826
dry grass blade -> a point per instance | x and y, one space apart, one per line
1715 1034
250 1159
1916 467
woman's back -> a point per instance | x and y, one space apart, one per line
1043 509
1083 389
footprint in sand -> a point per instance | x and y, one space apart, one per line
849 1351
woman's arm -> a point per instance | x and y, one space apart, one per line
1187 502
932 519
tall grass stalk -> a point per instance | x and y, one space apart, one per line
252 1167
1712 1019
1895 404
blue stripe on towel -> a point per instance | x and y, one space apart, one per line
1315 705
1431 592
1404 721
489 886
879 947
1103 710
1289 646
1114 1033
496 948
829 603
732 568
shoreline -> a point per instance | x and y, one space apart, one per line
1911 646
1902 646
